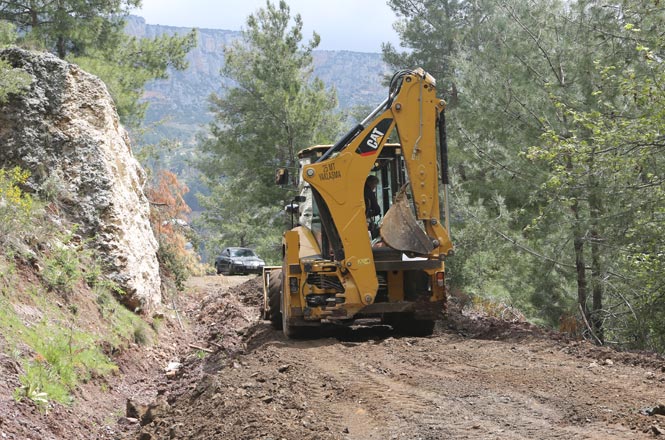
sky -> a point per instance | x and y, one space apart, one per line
356 25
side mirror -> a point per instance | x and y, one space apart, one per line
282 176
292 208
299 199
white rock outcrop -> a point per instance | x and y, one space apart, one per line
65 129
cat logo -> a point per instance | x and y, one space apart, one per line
374 139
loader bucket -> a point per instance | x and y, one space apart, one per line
400 229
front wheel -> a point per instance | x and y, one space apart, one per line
274 296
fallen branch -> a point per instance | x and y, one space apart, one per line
177 315
198 347
586 323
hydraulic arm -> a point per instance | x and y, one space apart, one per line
337 178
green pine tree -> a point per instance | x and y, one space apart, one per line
274 108
90 33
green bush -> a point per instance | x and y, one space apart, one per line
11 80
172 264
64 357
16 206
60 354
125 325
62 269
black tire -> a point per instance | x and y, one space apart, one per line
289 330
273 314
219 269
421 327
409 326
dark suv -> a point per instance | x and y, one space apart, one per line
235 260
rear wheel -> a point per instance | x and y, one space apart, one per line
407 325
274 296
290 331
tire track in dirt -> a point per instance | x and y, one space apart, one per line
508 399
375 402
508 384
446 399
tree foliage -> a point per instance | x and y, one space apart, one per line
11 80
274 108
433 30
169 219
90 33
611 159
557 146
68 26
128 67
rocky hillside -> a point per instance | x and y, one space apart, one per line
65 131
75 242
181 102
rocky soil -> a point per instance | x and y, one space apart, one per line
476 377
218 372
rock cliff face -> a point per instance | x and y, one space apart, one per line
66 131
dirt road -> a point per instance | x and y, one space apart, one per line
476 378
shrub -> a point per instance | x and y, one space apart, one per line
16 206
61 355
168 217
62 269
11 80
172 263
64 357
125 326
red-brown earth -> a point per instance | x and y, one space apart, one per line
475 378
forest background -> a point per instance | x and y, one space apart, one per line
556 113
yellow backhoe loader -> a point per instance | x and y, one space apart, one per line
339 266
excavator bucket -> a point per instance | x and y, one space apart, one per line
400 229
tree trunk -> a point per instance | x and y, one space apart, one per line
597 288
61 48
595 211
578 243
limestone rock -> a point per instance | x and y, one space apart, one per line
66 131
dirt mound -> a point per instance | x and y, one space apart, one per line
647 360
250 292
227 313
478 326
477 377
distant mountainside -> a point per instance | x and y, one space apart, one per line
181 102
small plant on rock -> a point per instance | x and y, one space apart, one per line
16 206
62 269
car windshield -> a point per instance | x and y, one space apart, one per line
242 253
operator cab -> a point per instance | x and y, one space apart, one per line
388 168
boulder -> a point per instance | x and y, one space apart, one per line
65 129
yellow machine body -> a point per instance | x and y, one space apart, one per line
336 272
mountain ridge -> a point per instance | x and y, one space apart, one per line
179 109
